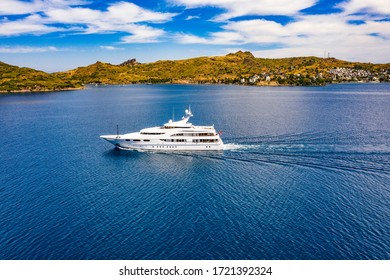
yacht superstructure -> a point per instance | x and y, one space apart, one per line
174 135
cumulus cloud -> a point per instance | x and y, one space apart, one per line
129 12
242 32
142 34
73 15
366 6
14 7
239 8
18 7
61 15
29 25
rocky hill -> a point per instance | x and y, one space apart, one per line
234 68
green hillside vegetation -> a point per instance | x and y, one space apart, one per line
235 68
16 79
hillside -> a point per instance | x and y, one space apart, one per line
235 68
16 79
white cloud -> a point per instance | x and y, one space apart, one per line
240 33
17 7
366 6
237 8
28 25
110 48
258 31
142 34
26 49
191 39
380 28
119 17
348 51
14 7
192 17
129 12
116 14
73 15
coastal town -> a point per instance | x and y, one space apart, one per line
335 75
359 75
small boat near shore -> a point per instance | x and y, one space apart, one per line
173 135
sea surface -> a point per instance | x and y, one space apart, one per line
305 174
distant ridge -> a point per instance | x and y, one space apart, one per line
22 79
241 67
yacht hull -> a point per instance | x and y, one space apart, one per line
122 144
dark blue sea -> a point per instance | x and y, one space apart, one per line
305 174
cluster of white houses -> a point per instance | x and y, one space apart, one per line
339 74
351 74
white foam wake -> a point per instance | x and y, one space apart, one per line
240 147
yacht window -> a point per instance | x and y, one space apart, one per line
152 133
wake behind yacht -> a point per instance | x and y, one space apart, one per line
174 135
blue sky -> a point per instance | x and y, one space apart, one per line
57 35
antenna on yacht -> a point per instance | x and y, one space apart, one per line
188 112
117 131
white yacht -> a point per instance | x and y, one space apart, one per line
174 135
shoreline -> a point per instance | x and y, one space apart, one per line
41 90
25 91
